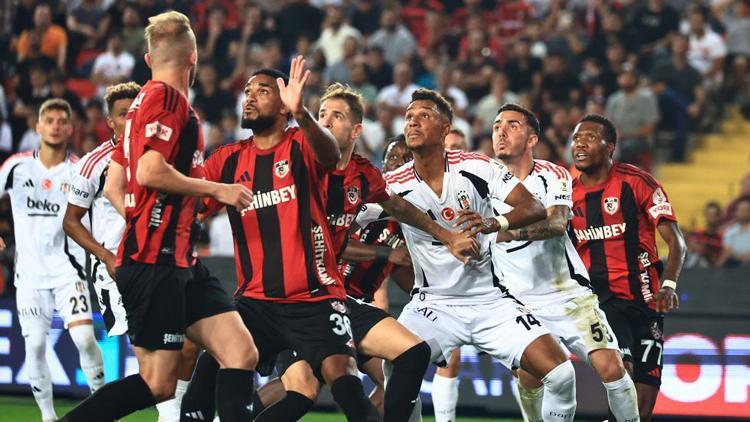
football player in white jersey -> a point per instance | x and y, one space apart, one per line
543 269
49 267
453 303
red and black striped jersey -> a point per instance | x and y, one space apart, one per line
159 225
283 247
363 279
359 183
613 228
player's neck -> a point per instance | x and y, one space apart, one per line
520 167
176 78
271 137
598 176
52 156
430 166
346 157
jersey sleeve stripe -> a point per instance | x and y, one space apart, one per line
89 159
645 177
16 156
92 161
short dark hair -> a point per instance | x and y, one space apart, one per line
352 98
531 119
429 95
608 128
398 139
459 132
274 73
127 90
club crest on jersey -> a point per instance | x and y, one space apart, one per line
64 187
352 194
658 196
656 331
80 288
281 168
611 205
448 214
338 306
46 184
463 200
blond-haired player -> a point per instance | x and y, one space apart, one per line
155 179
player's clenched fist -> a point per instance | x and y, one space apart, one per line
463 246
235 195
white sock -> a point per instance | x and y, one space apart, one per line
622 399
89 354
530 401
39 374
559 402
444 398
169 410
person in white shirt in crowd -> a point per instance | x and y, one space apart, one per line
393 38
707 48
336 31
114 65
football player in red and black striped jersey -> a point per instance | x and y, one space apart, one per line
617 209
160 168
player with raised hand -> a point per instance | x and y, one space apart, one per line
159 163
49 266
617 208
290 293
543 269
454 304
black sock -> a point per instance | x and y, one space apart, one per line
113 401
291 408
348 393
198 403
403 386
258 407
234 394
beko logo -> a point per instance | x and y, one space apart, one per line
42 205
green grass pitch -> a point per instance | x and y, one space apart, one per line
23 409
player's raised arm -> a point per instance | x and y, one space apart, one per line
115 186
322 143
526 210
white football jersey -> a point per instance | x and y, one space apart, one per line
470 181
543 271
107 225
45 257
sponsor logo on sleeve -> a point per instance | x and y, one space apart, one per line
665 208
159 130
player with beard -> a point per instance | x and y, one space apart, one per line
353 182
159 164
617 208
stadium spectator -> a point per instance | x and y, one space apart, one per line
476 67
456 140
708 241
341 71
635 112
113 66
216 37
735 16
486 108
681 76
446 83
96 124
336 31
398 95
58 89
524 70
393 38
654 24
380 72
365 16
30 138
673 124
53 40
737 238
209 96
744 193
361 83
559 84
707 49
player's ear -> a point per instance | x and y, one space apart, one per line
533 140
147 58
356 131
610 149
110 122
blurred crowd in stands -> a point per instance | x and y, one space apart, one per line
662 70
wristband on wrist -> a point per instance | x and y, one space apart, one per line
669 283
503 222
382 253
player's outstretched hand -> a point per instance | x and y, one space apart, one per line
400 256
469 221
666 300
463 246
234 195
291 93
